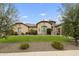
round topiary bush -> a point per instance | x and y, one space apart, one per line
57 45
24 46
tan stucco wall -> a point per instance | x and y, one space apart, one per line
23 27
42 24
60 29
54 29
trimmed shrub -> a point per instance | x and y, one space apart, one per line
24 46
22 33
57 45
27 33
15 33
11 32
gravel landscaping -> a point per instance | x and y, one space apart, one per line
36 43
34 47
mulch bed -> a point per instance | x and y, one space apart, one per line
34 46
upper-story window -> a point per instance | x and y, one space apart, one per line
52 28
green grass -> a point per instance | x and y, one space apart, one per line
35 38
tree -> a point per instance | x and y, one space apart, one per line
33 32
70 19
8 15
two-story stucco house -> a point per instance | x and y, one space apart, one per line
41 28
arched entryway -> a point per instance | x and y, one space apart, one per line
44 30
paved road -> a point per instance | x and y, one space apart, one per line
44 53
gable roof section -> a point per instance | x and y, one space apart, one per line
27 24
59 25
20 23
50 22
33 25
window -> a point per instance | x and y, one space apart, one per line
19 29
44 28
52 28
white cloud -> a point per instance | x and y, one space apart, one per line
24 16
43 14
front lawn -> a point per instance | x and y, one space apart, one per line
35 38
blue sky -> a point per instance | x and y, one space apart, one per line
35 12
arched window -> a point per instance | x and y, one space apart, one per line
44 28
19 29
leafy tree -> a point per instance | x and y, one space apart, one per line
8 15
70 19
33 32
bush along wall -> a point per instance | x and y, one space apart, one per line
57 45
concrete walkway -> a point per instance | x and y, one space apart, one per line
44 53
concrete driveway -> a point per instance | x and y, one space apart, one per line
44 53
